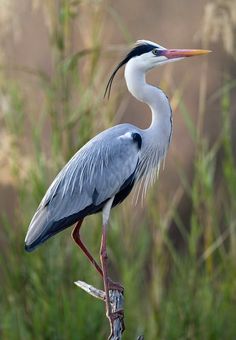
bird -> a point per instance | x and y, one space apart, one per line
108 167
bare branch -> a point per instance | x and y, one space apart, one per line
97 293
117 307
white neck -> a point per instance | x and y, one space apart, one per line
161 125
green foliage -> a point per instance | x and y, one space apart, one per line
172 292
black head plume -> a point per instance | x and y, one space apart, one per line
139 49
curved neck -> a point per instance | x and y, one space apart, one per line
148 94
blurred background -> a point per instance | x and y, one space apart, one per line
176 253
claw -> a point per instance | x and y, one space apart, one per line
115 286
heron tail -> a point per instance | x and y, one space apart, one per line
42 227
38 230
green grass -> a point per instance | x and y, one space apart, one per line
180 287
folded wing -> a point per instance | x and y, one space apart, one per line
103 168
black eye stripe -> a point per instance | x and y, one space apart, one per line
139 50
135 52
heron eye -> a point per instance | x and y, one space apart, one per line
155 51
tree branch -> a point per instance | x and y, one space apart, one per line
117 307
97 293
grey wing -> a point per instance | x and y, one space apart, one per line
96 173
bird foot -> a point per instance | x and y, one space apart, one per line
116 315
115 286
116 320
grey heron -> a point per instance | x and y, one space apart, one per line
105 170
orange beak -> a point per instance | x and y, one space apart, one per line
171 54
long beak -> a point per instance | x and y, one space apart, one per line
171 54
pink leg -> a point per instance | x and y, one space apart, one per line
104 259
108 283
76 237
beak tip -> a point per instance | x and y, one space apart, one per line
198 52
184 53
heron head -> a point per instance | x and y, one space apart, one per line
146 55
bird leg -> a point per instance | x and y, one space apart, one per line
76 237
104 262
109 285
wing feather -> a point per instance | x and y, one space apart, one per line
102 166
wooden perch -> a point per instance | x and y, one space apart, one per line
117 307
97 293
